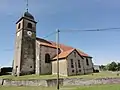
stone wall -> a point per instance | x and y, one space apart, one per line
75 70
63 82
42 82
46 68
53 82
25 83
24 58
84 82
87 68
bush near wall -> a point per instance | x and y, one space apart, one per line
95 70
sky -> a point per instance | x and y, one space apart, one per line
103 46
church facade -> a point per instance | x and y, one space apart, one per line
34 55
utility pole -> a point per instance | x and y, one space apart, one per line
57 43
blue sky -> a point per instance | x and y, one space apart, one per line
65 14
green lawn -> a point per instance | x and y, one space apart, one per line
98 75
97 87
90 76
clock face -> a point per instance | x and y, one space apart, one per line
29 33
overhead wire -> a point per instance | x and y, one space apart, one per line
89 30
77 30
50 34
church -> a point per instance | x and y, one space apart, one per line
34 55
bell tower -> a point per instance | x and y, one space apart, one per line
24 57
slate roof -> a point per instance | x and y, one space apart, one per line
27 14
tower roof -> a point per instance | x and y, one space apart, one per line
28 15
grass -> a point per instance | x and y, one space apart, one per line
96 87
89 76
28 77
100 87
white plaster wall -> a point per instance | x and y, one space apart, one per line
37 69
62 67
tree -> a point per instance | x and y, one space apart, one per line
102 68
112 66
118 66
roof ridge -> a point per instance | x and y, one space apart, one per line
64 54
62 47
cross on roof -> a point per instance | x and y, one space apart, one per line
27 5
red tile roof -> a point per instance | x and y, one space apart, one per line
82 53
46 44
64 54
65 49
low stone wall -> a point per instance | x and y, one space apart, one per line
83 82
25 83
63 82
48 82
53 82
1 81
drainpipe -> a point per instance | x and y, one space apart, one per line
40 60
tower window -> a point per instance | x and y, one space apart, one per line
29 25
47 58
19 25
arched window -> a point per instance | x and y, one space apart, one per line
47 58
29 25
19 25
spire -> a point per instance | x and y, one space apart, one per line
27 5
27 14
